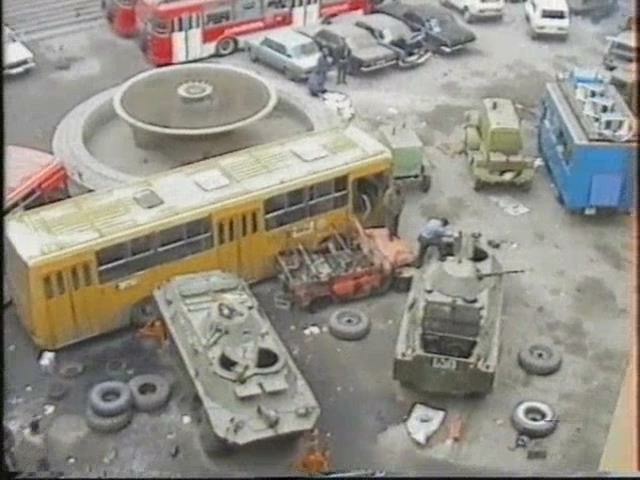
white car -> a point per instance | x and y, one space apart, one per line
547 17
17 58
476 9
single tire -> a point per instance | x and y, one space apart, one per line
150 392
70 369
534 419
57 390
116 369
108 424
226 47
109 399
539 359
349 324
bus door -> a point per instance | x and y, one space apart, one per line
186 38
227 243
80 280
59 308
248 244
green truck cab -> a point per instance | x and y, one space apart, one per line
407 152
493 146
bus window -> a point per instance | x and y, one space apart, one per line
60 283
221 237
87 274
48 287
75 278
111 254
140 245
171 236
254 222
244 225
231 233
368 192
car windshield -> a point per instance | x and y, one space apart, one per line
555 14
304 50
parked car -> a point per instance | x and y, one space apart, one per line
17 58
288 51
367 54
622 50
397 35
439 29
547 17
475 9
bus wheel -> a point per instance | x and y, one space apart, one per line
226 46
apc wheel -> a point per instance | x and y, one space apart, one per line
108 424
534 419
425 183
539 359
150 392
350 325
109 399
226 46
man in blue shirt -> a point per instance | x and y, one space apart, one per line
435 233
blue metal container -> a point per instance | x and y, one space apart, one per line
588 141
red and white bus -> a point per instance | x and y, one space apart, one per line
176 31
121 15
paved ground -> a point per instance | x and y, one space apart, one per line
574 292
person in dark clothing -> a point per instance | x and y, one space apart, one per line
318 77
393 202
344 55
435 233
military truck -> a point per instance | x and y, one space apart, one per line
493 146
408 155
248 385
449 336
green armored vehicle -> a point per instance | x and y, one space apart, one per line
449 337
408 155
248 384
493 145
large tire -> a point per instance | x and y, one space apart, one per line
349 324
226 46
539 359
108 424
150 392
425 183
109 399
534 419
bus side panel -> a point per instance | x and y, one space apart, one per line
18 281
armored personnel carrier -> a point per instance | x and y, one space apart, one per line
248 384
493 146
449 337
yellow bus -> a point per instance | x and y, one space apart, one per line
88 265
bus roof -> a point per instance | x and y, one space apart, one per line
65 225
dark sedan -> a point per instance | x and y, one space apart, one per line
441 31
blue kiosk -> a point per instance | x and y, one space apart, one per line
588 139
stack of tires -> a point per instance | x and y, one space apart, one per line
111 403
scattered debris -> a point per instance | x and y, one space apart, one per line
49 409
71 369
455 430
171 435
28 388
536 451
71 460
510 205
312 330
522 441
282 301
499 421
175 450
47 361
423 421
538 162
186 419
340 103
111 455
12 347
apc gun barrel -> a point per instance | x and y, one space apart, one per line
495 274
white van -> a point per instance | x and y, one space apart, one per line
16 57
622 51
547 17
476 9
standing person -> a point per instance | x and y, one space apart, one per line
435 233
318 77
393 202
344 55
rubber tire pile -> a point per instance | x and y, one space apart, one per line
111 403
